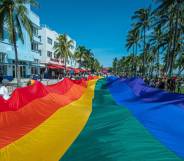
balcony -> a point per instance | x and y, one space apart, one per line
37 39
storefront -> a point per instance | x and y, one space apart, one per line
54 71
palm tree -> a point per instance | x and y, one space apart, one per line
156 43
96 65
63 48
180 64
13 17
80 54
132 42
88 56
142 17
173 10
114 65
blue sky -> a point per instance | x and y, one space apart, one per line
100 25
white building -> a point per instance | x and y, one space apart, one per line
28 53
48 41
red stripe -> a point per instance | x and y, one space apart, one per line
15 124
22 96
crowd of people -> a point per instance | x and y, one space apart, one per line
60 76
171 84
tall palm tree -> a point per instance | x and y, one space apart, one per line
96 65
115 65
142 18
88 58
63 48
14 17
132 42
173 9
80 54
180 63
156 43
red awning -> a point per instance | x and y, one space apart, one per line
76 70
82 70
54 66
69 68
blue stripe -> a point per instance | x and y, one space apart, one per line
163 118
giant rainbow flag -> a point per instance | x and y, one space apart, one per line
107 119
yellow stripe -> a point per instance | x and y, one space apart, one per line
50 140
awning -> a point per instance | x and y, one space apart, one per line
76 70
54 66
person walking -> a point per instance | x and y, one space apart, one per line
1 77
4 90
178 84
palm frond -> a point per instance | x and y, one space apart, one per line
19 29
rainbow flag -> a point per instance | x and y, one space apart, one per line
109 119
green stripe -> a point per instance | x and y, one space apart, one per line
113 134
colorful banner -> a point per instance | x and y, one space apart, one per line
43 129
114 134
110 119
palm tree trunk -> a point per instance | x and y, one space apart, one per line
169 46
168 58
136 61
17 71
144 53
158 62
80 63
174 43
133 65
65 66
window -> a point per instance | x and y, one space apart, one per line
49 54
3 69
49 40
34 46
55 55
35 31
20 62
40 52
36 61
2 57
40 38
55 43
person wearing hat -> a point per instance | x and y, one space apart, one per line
30 82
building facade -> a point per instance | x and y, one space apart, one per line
48 41
28 52
34 56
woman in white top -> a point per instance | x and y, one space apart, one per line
4 92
